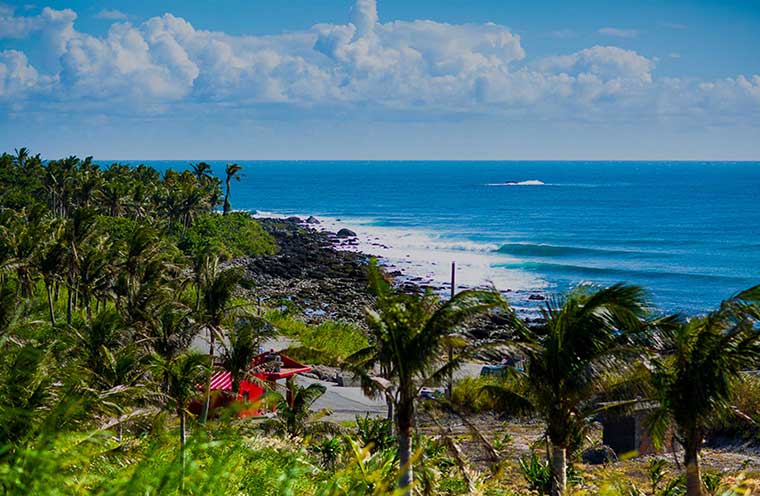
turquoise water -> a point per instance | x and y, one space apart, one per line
689 232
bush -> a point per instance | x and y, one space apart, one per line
377 433
537 473
328 343
237 234
747 401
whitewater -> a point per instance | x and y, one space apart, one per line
687 231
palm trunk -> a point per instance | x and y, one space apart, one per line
69 304
182 441
559 470
693 470
405 418
227 205
207 402
51 309
389 405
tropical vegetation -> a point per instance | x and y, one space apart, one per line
120 295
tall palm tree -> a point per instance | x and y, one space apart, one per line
232 171
217 299
409 335
184 372
695 377
585 338
202 171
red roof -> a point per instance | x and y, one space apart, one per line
222 379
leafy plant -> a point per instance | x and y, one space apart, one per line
537 473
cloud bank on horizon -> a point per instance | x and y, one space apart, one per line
422 68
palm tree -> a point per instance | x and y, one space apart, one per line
694 378
232 171
410 334
243 347
217 296
585 339
183 372
202 172
297 419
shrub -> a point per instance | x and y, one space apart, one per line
328 343
537 473
377 433
237 234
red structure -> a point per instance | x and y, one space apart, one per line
267 368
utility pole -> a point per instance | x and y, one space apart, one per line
450 385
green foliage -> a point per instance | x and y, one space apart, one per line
328 343
537 473
236 234
374 432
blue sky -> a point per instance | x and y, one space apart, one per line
394 79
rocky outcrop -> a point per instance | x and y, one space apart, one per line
346 233
308 273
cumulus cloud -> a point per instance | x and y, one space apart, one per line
402 66
619 32
111 15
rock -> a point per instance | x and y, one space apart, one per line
537 297
312 220
293 219
347 379
598 456
346 233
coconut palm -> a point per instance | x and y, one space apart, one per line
297 419
242 347
217 305
232 171
410 334
584 339
202 172
695 377
183 372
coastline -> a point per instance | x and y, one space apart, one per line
324 273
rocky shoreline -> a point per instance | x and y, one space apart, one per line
317 273
309 273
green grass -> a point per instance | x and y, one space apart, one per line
328 343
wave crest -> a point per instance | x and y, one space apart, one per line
529 182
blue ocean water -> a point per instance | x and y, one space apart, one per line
689 232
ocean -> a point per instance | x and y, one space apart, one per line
689 232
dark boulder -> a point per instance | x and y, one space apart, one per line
599 455
537 297
293 219
346 233
312 220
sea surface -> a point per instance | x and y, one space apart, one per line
687 231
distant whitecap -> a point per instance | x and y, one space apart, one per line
530 182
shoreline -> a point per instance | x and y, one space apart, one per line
322 271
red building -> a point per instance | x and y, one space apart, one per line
266 369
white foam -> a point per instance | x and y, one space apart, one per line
428 255
529 182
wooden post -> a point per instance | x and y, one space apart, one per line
450 385
290 385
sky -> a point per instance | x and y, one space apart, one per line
382 79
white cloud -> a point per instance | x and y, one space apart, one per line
111 15
17 77
421 67
619 33
674 55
